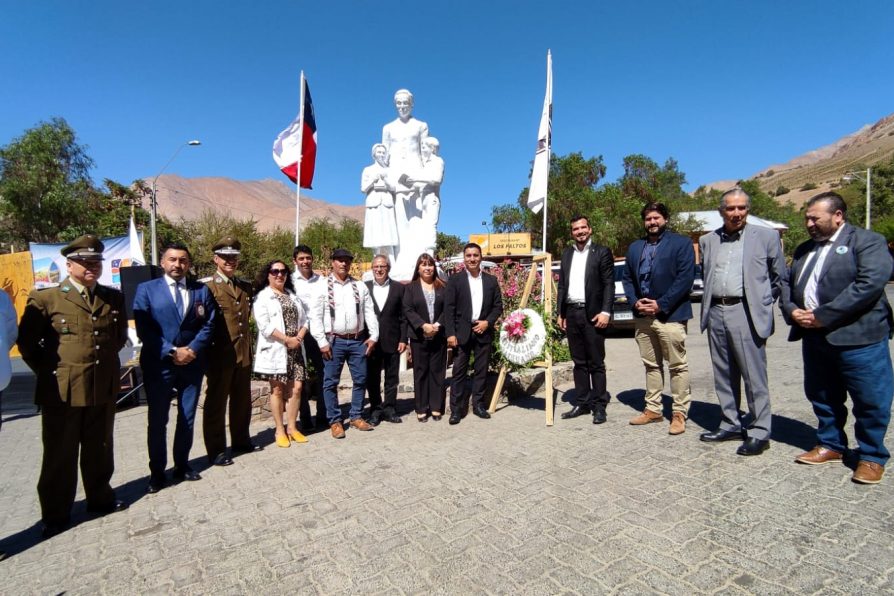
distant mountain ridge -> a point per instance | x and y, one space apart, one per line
825 166
270 202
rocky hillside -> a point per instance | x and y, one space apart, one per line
270 202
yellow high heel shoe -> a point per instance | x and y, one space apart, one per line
282 441
297 437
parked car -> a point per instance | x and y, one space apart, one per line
622 312
698 285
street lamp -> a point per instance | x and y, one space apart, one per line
868 180
154 207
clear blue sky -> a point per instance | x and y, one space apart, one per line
726 88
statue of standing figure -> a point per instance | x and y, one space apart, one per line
415 173
380 224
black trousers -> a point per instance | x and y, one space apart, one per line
227 383
377 363
587 345
312 389
67 431
480 348
429 372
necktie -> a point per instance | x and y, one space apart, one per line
178 299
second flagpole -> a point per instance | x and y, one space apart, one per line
300 155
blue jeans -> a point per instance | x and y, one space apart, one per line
864 372
352 351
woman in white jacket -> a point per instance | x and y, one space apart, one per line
282 325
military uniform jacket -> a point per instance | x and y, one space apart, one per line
231 343
73 347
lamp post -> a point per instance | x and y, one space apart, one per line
484 223
154 207
868 180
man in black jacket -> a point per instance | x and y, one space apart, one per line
586 290
388 305
472 305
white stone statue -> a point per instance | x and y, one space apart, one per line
380 223
426 183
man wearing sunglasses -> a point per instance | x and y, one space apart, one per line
229 380
70 337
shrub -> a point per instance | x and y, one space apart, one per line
809 186
781 190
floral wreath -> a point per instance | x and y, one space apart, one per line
522 336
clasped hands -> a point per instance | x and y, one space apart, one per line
183 356
805 318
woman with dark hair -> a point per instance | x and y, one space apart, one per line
282 325
424 310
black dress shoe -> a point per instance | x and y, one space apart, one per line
575 412
113 507
481 413
185 474
599 416
375 418
437 417
722 435
392 418
222 459
250 448
156 484
455 419
50 530
753 446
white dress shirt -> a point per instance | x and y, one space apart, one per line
811 300
346 320
175 286
380 292
577 273
476 289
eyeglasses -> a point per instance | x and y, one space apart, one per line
278 272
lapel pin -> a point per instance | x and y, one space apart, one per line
842 250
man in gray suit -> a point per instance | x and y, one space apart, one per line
743 268
834 299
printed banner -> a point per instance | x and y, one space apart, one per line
48 264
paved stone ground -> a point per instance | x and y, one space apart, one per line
500 506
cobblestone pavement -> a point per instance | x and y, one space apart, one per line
505 505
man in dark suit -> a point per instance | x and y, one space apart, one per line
70 337
472 305
229 380
657 280
586 291
387 298
175 321
743 267
834 299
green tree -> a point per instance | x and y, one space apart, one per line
322 236
448 245
881 195
507 219
45 185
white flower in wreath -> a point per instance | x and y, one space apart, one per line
518 345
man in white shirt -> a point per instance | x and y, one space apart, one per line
384 360
310 288
586 291
337 324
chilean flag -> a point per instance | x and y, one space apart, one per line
285 147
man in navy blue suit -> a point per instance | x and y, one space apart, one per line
834 299
175 320
657 279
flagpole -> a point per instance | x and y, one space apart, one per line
300 154
549 141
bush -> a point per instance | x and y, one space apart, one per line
809 186
781 190
770 173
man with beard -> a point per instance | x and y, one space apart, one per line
834 299
658 276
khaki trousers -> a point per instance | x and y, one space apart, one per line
659 343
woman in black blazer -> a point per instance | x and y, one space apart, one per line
424 311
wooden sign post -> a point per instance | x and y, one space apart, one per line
547 362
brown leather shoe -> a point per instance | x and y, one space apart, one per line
868 472
678 424
361 424
337 430
819 455
645 417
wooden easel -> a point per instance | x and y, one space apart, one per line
547 362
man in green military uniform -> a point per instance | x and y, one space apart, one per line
70 336
229 370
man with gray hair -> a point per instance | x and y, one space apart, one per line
387 297
743 268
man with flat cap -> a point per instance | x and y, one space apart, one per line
337 323
229 379
70 337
